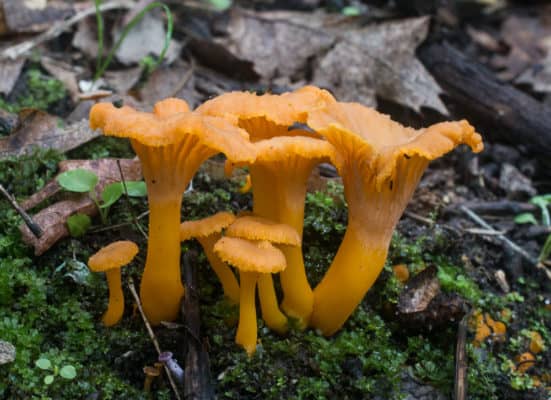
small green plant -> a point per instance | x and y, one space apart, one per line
67 371
103 63
84 181
543 202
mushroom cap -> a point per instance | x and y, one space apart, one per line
249 256
282 148
114 255
151 371
377 142
170 123
206 226
268 115
258 228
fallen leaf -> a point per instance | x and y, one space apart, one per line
145 38
39 129
277 47
173 81
7 352
66 73
32 16
419 291
53 219
106 170
380 59
85 38
122 81
9 73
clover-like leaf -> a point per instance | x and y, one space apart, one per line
68 372
48 379
111 193
78 180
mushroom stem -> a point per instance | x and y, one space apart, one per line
115 307
161 287
373 214
280 196
247 328
271 314
220 268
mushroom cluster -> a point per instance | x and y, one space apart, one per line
280 138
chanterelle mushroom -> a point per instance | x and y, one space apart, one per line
380 162
171 143
208 231
110 259
252 259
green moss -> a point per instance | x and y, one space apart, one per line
41 92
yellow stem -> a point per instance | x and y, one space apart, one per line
220 268
272 316
161 289
247 328
115 307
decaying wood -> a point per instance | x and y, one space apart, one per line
197 377
460 386
513 116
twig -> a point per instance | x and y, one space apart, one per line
187 76
152 335
513 246
128 201
33 226
121 225
18 50
460 386
197 377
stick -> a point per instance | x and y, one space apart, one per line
460 385
152 335
197 378
13 52
513 246
33 226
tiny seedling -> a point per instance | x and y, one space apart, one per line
85 181
543 202
67 371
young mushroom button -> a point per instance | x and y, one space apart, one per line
110 259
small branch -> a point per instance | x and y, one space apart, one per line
33 226
18 50
460 386
197 377
512 245
134 219
152 335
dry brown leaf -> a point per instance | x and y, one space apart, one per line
9 73
173 81
52 219
66 73
122 81
85 38
147 37
419 292
39 129
356 63
276 45
380 59
33 16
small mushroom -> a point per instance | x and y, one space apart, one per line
252 259
175 370
110 259
207 231
150 374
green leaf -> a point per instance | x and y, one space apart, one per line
78 224
545 250
351 11
221 5
43 363
136 188
526 218
48 379
111 193
78 180
68 372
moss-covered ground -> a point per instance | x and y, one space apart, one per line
50 307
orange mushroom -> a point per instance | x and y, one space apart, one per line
252 259
284 162
171 143
261 229
208 231
110 259
380 162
